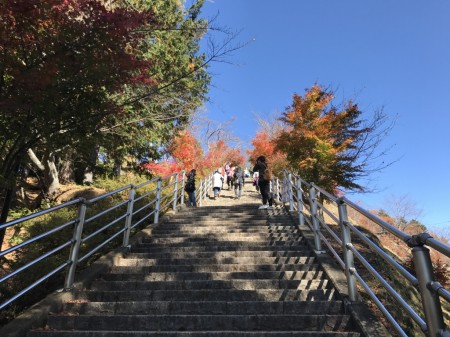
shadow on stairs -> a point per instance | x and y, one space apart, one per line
219 270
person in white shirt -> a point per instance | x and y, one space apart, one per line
217 183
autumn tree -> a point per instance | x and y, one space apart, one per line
264 144
331 145
219 153
60 63
184 152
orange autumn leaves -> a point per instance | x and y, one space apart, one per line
327 144
317 140
187 153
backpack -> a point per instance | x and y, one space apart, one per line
267 175
236 179
190 186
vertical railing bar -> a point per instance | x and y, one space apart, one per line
158 201
315 221
348 254
301 217
175 194
200 192
424 270
291 193
75 248
129 218
183 182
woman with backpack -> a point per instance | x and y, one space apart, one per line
190 188
263 182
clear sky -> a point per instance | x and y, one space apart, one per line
385 54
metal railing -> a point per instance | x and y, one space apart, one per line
313 205
92 228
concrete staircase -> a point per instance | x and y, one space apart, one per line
210 271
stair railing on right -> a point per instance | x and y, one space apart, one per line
327 217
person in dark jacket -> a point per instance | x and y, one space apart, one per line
238 182
190 188
263 184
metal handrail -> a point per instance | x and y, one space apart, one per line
155 204
430 291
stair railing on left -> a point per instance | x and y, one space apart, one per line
327 217
95 225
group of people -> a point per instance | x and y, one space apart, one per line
234 177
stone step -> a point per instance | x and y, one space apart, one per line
211 268
250 237
207 295
225 238
218 247
313 273
217 271
131 262
127 333
205 308
224 231
200 322
251 221
210 285
266 227
220 254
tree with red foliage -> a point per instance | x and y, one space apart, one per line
219 153
185 154
61 61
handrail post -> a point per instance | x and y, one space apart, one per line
278 189
75 247
291 193
301 217
315 220
129 217
158 201
348 254
424 271
175 194
207 187
183 182
283 188
200 192
273 188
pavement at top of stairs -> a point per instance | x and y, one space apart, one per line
249 195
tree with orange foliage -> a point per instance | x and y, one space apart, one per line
263 145
331 145
219 153
185 153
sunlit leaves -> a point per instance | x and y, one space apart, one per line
322 141
263 145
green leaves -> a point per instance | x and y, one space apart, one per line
327 144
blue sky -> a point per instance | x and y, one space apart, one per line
385 54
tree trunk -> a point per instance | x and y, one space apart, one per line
89 171
47 167
51 176
66 170
117 168
9 193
